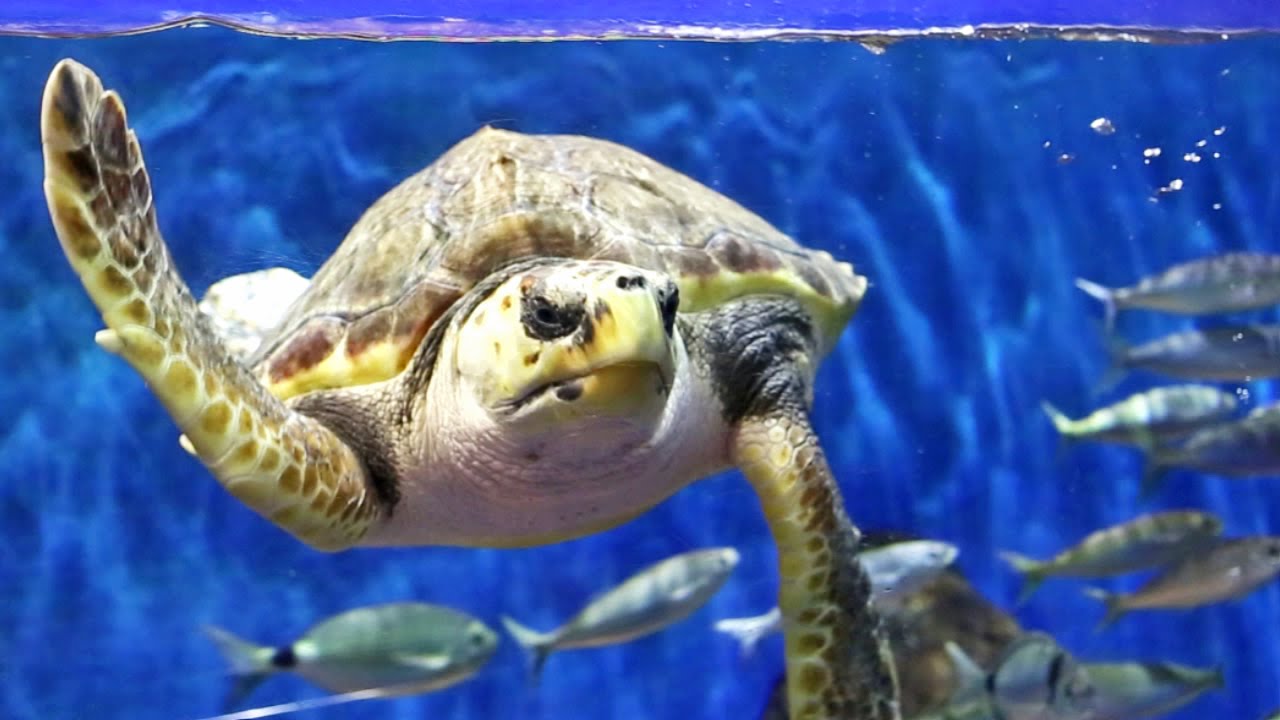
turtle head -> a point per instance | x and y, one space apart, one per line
571 346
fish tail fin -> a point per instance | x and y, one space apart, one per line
248 663
1064 427
1218 678
1117 361
1104 295
749 631
1113 602
1155 465
1032 571
1061 422
535 644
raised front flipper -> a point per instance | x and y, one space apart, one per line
282 464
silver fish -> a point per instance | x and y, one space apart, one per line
899 569
1147 418
1225 571
404 648
1223 283
1132 690
1144 542
1246 447
659 595
1034 679
896 571
1237 353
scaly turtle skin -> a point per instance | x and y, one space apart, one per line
533 339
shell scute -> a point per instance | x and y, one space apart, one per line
501 196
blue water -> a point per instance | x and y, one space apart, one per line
936 168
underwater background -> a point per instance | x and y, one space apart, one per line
962 177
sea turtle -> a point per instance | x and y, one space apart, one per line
532 339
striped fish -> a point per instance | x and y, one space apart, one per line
1145 542
1147 418
660 595
1228 570
1218 284
1236 353
1248 447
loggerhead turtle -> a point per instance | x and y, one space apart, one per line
533 339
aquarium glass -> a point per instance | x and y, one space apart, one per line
972 180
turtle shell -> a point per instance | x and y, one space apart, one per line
501 196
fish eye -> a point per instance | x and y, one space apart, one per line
1273 551
477 638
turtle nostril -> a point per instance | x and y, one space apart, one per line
668 304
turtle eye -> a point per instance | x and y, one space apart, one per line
544 320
